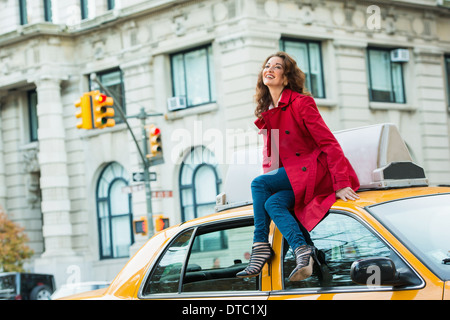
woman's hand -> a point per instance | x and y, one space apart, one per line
346 194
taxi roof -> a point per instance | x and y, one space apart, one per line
377 153
367 198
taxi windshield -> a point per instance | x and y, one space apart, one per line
422 224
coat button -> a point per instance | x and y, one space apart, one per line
304 169
284 108
287 131
297 154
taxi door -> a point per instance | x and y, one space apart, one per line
344 238
202 262
447 290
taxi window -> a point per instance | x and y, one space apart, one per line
165 277
216 257
342 240
206 259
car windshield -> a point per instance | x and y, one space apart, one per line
422 224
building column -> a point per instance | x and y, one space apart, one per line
432 110
54 181
352 93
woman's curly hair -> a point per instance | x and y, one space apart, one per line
295 81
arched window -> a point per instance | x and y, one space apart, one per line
114 213
199 183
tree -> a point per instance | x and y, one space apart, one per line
13 248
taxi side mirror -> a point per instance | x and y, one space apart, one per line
377 271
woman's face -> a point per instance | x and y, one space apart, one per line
273 73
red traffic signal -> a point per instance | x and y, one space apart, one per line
155 141
103 114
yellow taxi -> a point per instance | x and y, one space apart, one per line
392 243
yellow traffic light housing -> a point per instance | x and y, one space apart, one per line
161 223
85 112
102 114
155 141
140 226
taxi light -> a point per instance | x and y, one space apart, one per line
380 157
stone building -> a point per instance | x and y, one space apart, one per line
366 62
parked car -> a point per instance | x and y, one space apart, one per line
26 286
392 243
73 288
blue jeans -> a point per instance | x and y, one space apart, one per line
272 198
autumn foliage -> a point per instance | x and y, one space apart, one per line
13 248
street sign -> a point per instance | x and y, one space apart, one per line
162 194
133 188
139 176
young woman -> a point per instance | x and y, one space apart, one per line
305 169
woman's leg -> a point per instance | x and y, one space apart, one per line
277 207
263 187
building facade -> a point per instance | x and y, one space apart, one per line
72 190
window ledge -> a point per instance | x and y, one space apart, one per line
179 114
391 106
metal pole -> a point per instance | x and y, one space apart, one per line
142 152
148 191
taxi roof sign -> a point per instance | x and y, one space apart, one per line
378 154
380 157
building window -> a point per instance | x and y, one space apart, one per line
308 55
199 184
32 115
447 68
111 4
385 77
48 10
84 9
193 76
114 213
113 81
23 12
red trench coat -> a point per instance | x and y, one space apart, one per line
297 138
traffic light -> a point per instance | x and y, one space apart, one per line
140 226
161 223
85 112
102 114
155 141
